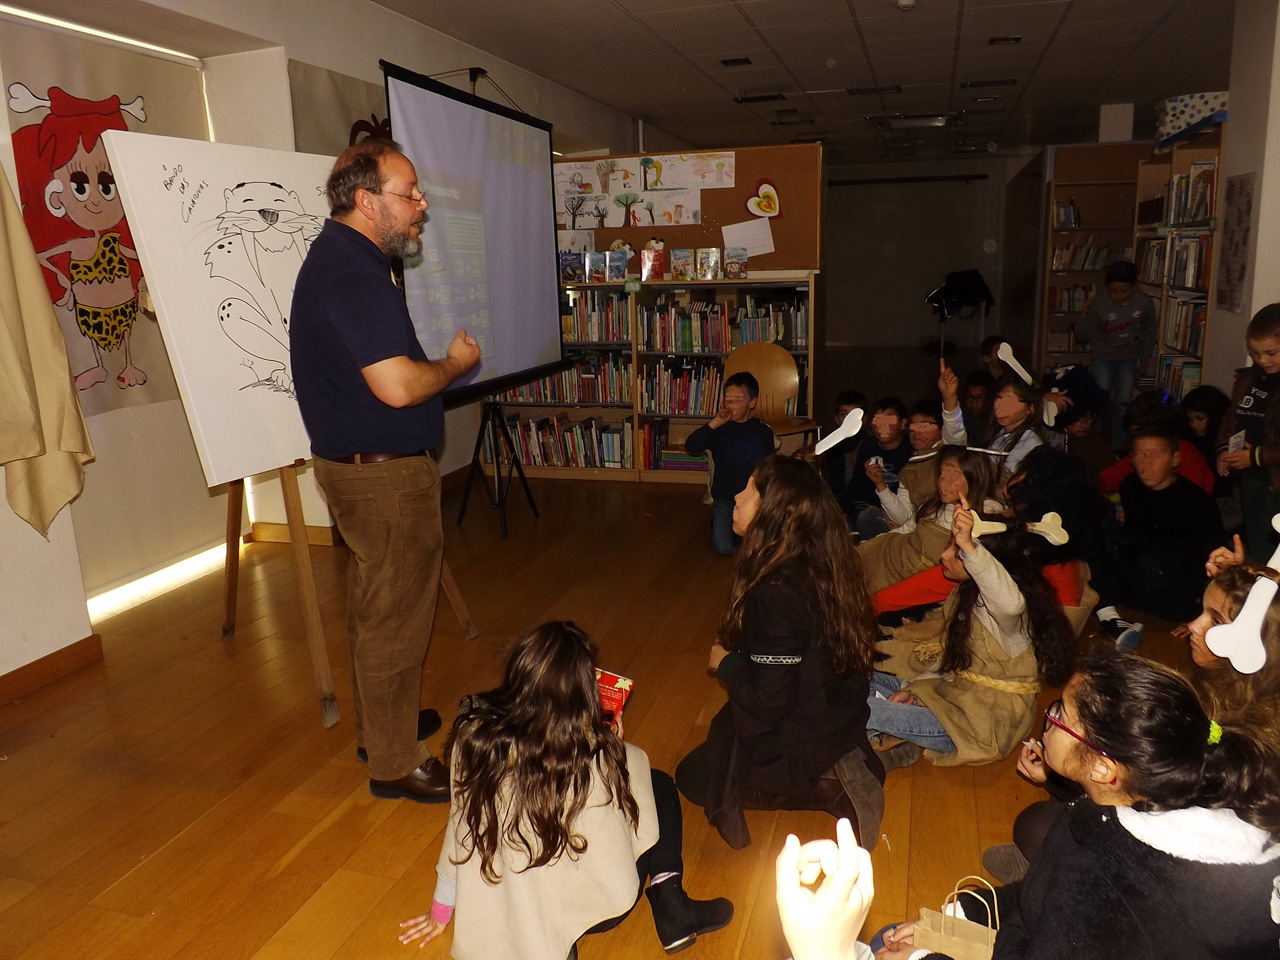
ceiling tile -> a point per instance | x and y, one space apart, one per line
769 13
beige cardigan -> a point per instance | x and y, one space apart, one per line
43 439
538 914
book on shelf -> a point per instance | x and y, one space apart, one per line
1066 215
654 435
572 267
1071 299
682 264
1184 324
653 262
1192 255
603 378
596 316
777 321
735 263
1083 256
1152 252
1151 210
688 388
676 458
562 442
1061 341
615 265
597 266
1179 375
696 327
1191 194
708 263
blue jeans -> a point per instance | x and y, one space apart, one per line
723 540
870 523
1117 377
910 721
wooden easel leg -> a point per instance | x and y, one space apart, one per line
307 593
456 602
231 567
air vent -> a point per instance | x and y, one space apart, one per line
976 84
760 98
873 91
1003 41
737 62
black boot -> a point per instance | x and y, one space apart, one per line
679 920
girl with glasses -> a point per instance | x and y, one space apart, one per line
1172 850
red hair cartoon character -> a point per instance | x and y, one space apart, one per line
72 210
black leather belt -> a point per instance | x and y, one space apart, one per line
379 457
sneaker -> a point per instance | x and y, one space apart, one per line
1124 633
1005 862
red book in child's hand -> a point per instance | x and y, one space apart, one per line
614 691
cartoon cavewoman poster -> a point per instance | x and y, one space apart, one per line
73 212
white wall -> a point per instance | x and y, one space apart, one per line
1251 145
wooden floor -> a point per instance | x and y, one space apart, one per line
182 800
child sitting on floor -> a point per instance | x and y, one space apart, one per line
555 822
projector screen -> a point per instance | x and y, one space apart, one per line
488 262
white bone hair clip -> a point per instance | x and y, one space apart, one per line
1049 526
849 428
1240 641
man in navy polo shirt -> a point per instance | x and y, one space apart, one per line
370 400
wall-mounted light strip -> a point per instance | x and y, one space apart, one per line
146 588
760 98
16 15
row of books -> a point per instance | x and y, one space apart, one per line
696 328
1071 299
1066 214
771 322
1060 341
1184 325
605 378
681 390
596 316
1191 258
561 442
604 266
1191 194
1084 256
1152 252
654 435
677 458
1179 375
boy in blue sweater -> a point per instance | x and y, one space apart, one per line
737 442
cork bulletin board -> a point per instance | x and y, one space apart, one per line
686 199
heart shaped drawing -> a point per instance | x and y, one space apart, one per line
765 202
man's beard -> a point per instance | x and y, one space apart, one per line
399 243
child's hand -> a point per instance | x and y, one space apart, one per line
1059 400
903 696
1222 558
1031 762
823 924
948 384
1181 632
1235 460
723 416
962 526
421 927
718 653
875 473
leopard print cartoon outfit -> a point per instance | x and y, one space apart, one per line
105 326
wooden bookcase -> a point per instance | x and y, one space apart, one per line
1090 223
624 381
1176 225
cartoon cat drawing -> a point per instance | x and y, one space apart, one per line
263 239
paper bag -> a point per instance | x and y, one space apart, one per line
957 937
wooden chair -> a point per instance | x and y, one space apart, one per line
779 379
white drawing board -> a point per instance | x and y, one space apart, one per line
221 231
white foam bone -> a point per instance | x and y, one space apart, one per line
1049 411
1005 353
849 428
982 527
1240 641
1050 527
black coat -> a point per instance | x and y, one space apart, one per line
789 717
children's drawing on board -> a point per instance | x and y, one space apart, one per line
263 237
73 213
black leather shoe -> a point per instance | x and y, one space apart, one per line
428 723
428 783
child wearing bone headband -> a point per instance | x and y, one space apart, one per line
1172 852
964 686
1017 412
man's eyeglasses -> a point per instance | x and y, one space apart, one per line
403 196
1053 716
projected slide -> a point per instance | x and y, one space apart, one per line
488 262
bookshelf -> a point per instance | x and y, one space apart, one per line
1176 223
649 372
1092 193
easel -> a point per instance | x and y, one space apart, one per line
493 429
305 576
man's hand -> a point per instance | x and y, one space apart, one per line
948 386
464 349
823 924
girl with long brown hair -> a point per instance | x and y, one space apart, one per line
794 649
552 816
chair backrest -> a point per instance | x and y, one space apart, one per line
774 369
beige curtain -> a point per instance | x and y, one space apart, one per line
331 111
